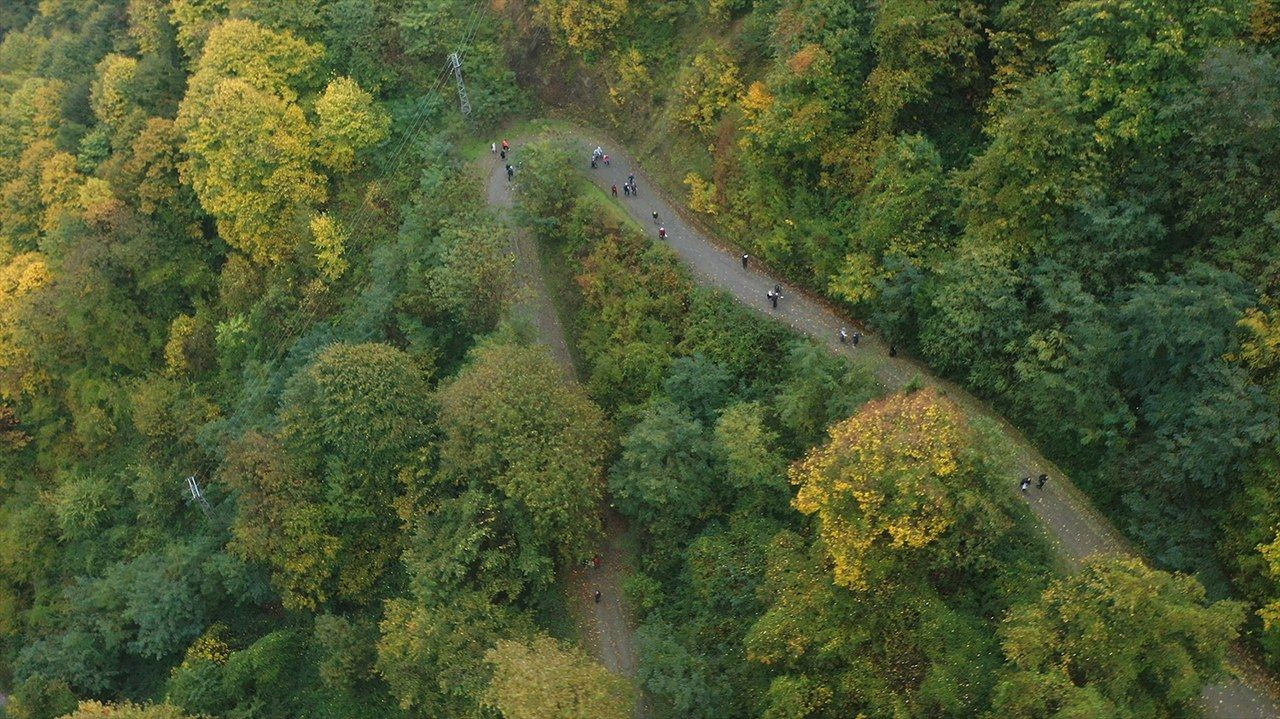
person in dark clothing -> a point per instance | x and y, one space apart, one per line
1026 482
844 336
893 350
631 179
502 154
745 258
1041 480
626 190
593 163
655 217
615 190
634 191
597 596
511 171
856 337
773 298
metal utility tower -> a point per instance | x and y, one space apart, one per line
197 495
456 62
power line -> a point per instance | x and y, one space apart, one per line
358 223
452 65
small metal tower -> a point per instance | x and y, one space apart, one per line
197 495
456 62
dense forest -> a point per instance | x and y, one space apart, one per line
245 248
1070 207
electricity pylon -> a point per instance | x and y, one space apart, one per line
456 62
197 495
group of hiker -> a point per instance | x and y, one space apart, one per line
1026 482
503 154
846 338
628 188
598 156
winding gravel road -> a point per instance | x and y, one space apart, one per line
1076 529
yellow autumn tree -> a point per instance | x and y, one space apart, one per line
152 167
889 479
193 20
544 679
1270 612
583 25
19 372
21 209
252 152
60 183
632 82
702 193
330 242
125 710
1264 21
147 20
348 121
1260 348
112 94
708 87
249 161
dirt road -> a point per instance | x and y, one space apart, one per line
605 626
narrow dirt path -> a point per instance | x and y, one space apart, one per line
605 625
1072 524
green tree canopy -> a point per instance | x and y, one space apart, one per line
1115 636
512 421
317 503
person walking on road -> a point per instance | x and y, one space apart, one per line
634 191
1026 482
745 259
597 596
615 190
506 145
493 148
893 350
844 336
503 154
1041 480
631 179
510 172
662 233
626 190
856 336
773 298
655 217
